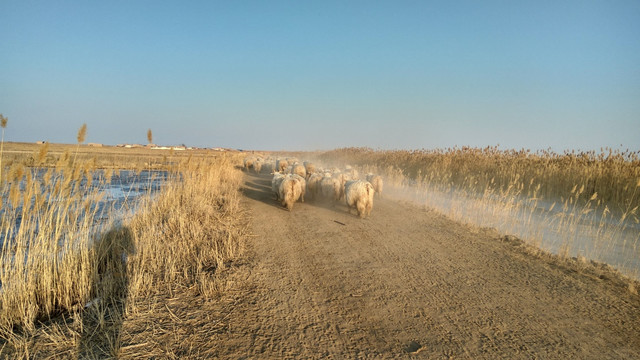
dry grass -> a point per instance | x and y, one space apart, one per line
612 174
106 157
197 220
69 287
574 204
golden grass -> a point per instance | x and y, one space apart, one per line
574 204
105 157
67 284
612 174
197 220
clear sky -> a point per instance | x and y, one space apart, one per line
306 75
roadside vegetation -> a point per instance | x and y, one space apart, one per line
71 273
610 174
575 204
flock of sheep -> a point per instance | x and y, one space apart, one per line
293 180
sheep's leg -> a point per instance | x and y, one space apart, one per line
361 209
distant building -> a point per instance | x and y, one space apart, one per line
180 148
94 145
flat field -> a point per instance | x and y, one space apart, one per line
105 156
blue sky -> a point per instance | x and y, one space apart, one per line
301 75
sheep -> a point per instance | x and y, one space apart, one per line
309 168
275 184
313 185
289 191
257 166
376 181
281 165
248 162
351 173
342 179
299 170
359 195
331 188
303 185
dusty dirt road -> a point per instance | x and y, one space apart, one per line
410 283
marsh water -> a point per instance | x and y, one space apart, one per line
111 200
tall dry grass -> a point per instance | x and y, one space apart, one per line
198 221
3 124
575 204
612 174
46 259
60 258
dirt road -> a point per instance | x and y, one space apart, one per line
410 283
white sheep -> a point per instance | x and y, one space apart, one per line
248 162
303 185
275 184
376 181
281 165
342 179
299 170
313 185
289 191
309 168
351 173
331 188
359 195
257 166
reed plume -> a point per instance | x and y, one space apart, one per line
82 134
150 139
42 153
3 123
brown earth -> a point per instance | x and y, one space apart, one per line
410 283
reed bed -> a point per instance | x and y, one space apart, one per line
70 273
198 220
612 174
576 204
